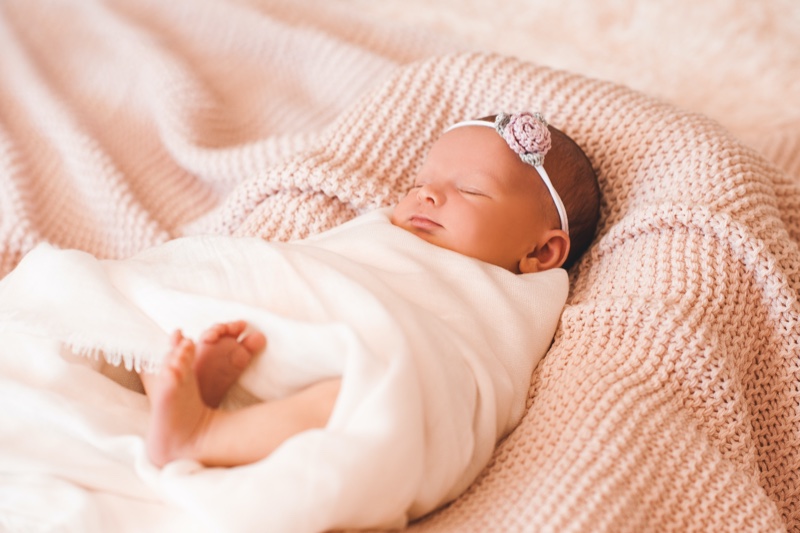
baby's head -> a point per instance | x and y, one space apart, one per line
487 194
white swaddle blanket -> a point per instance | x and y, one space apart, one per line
435 351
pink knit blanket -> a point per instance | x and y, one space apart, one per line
669 400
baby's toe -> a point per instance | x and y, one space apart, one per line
254 342
236 328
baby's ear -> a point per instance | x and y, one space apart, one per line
551 252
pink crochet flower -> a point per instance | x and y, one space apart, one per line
526 134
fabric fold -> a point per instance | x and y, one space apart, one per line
434 349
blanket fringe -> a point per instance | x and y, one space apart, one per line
131 362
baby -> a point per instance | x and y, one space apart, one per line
483 191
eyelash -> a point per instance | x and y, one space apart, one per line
471 192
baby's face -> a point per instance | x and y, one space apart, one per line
475 196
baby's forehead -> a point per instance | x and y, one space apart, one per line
469 140
477 155
471 143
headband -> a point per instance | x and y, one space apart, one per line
526 134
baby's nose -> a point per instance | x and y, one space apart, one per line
429 193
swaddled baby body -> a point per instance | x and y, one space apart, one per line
362 342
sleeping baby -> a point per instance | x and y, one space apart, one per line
483 195
361 377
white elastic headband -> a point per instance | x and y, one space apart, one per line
527 134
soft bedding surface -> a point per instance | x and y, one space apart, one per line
668 400
434 350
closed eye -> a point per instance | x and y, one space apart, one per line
472 192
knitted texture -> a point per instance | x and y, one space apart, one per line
123 121
669 400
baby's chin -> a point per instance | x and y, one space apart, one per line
426 236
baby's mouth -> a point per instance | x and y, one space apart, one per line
424 223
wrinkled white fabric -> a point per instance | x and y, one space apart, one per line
435 351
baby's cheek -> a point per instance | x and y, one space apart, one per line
470 238
395 216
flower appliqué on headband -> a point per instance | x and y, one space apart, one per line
526 134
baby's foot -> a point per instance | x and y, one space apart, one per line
178 415
222 357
